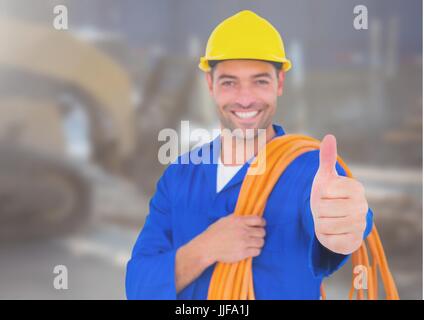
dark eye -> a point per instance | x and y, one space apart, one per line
227 83
262 82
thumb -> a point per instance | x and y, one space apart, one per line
328 155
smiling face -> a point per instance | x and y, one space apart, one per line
245 92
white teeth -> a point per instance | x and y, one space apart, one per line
246 115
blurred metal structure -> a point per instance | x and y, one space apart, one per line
45 74
165 103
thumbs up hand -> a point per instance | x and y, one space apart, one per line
338 204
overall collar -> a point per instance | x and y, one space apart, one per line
210 170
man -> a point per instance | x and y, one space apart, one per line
314 219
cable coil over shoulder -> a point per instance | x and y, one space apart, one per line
234 281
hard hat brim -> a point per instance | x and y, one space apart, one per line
204 64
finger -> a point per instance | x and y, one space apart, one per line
328 155
341 243
254 242
335 226
342 187
257 232
253 252
338 208
254 221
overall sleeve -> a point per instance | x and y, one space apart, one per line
151 269
322 261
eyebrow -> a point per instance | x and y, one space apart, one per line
222 76
259 75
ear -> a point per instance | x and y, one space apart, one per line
280 79
209 81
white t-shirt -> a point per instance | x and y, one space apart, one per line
225 174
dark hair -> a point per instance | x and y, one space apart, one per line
277 65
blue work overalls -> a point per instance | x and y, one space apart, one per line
292 262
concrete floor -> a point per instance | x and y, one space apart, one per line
96 256
95 259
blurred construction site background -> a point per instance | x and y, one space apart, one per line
80 112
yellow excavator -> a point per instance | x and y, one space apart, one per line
44 75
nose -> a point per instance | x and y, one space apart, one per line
245 97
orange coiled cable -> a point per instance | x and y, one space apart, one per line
234 281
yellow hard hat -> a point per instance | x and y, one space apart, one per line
245 35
